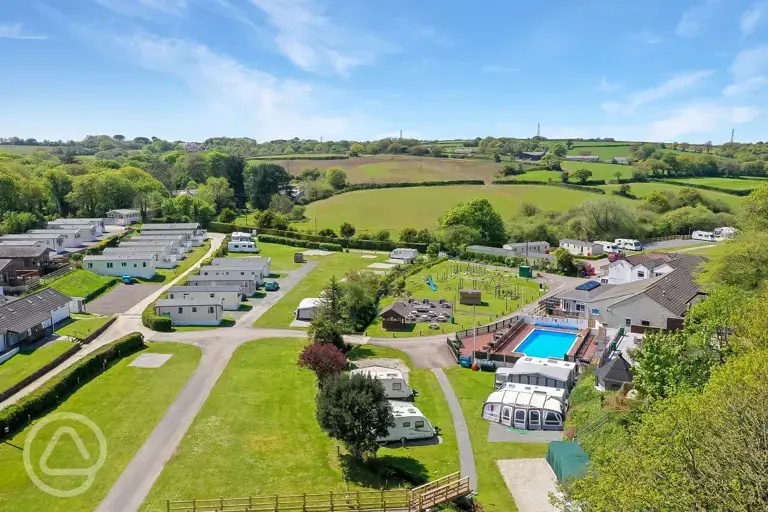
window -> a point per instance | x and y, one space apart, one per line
520 415
210 310
194 309
645 323
397 386
419 424
628 322
534 417
181 310
406 423
640 274
170 296
109 265
134 265
237 246
124 264
580 307
552 418
90 265
144 264
213 295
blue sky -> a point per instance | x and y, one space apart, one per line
357 69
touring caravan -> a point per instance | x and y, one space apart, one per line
239 236
526 407
724 233
410 424
703 235
608 247
629 243
539 371
395 385
244 246
407 255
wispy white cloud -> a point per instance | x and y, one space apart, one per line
608 86
315 42
751 18
694 19
647 36
16 31
697 119
497 68
749 71
670 87
147 9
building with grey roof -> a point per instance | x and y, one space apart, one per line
191 310
30 318
613 374
232 296
582 158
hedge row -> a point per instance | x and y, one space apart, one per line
155 322
101 289
6 394
300 243
109 242
408 184
733 192
34 405
298 157
222 227
584 188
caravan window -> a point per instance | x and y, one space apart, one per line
520 415
419 424
406 423
396 386
534 417
552 418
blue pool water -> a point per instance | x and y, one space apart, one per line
541 343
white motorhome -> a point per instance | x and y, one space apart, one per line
526 407
395 384
242 246
407 255
629 243
708 236
539 371
410 424
608 247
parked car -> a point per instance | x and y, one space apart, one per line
271 286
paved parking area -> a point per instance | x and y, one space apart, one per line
530 481
122 298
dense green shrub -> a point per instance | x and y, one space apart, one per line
16 416
155 322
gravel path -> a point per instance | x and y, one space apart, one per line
530 481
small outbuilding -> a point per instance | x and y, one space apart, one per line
298 257
613 374
124 217
470 297
306 310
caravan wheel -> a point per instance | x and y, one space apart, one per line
403 441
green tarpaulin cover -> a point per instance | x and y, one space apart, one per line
567 459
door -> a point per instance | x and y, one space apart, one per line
506 415
534 420
520 417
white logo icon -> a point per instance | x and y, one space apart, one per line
65 431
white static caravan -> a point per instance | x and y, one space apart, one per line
134 265
97 223
242 246
124 217
191 312
707 236
166 247
629 243
306 310
539 371
395 385
161 260
88 232
239 272
247 285
526 407
73 237
230 295
254 262
55 242
239 236
608 247
194 238
178 240
410 424
407 255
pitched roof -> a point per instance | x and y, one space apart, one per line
26 312
576 242
125 211
674 291
220 278
200 289
175 225
72 230
250 262
22 251
96 220
138 256
30 236
637 259
399 309
4 263
616 369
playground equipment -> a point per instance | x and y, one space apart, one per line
431 283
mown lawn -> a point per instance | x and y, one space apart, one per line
257 434
449 277
80 283
472 389
420 207
338 264
729 183
83 325
125 402
27 362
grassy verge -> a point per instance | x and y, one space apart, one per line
281 314
27 362
83 325
472 388
82 283
257 434
125 403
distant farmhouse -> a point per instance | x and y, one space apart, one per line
582 158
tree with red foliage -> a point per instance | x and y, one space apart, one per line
324 359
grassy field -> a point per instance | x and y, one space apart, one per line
472 389
126 403
604 152
83 325
420 207
80 283
27 362
600 171
281 314
729 183
257 433
447 288
282 255
642 189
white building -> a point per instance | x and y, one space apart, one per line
525 248
134 265
526 407
410 424
646 266
97 223
182 243
195 237
161 260
247 285
166 247
407 255
231 296
581 248
123 217
394 382
51 241
252 262
73 238
539 371
257 274
306 310
191 312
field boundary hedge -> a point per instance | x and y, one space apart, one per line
297 242
95 334
299 156
354 187
51 394
584 188
734 192
8 393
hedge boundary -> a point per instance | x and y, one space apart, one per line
730 191
584 188
45 398
296 156
294 242
8 393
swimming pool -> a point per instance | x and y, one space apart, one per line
543 343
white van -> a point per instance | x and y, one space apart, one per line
608 247
410 424
395 385
629 243
242 247
703 235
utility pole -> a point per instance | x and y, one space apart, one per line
733 130
538 129
474 335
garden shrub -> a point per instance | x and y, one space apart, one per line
155 322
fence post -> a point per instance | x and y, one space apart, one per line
331 501
194 504
304 504
383 503
421 502
168 505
